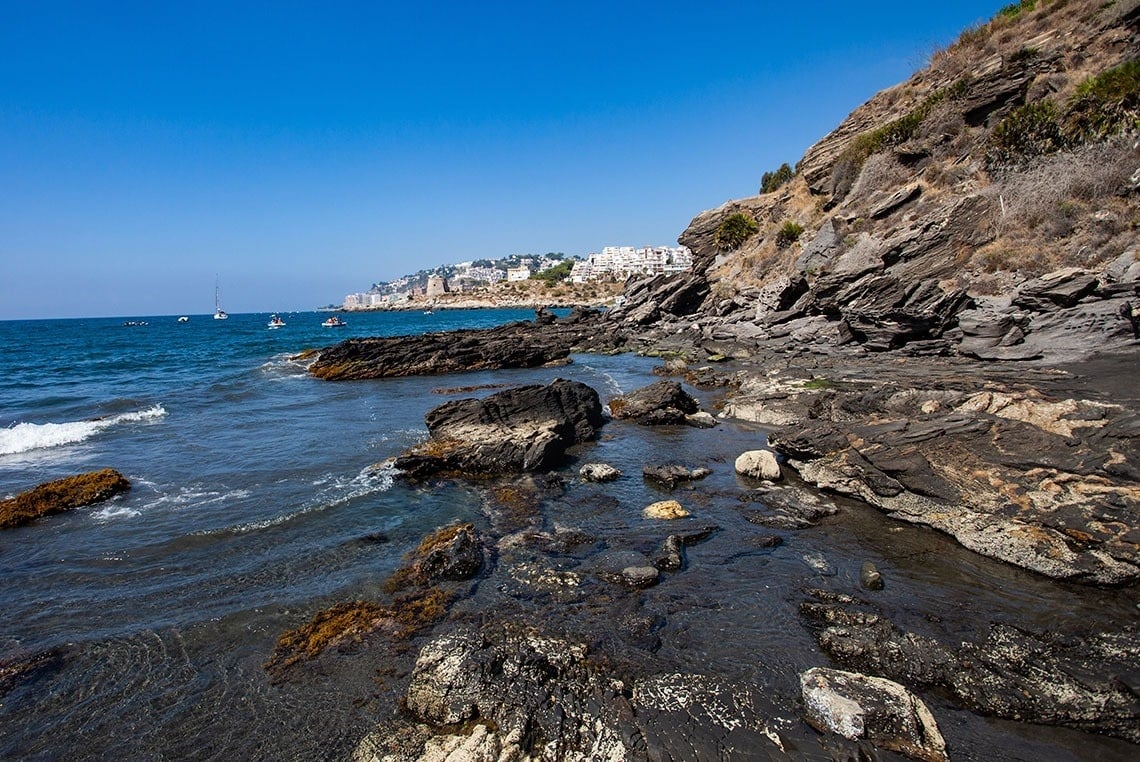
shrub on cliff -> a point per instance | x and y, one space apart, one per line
1105 105
771 181
788 233
1030 130
734 231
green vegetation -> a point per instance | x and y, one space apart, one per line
818 383
1028 131
1014 9
734 231
556 274
788 233
1105 105
891 134
771 181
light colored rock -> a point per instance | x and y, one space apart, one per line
665 509
878 710
598 472
758 464
701 420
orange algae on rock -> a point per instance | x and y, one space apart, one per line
61 495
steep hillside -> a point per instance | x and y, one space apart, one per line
986 206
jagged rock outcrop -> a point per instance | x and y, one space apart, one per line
928 200
504 693
662 402
527 428
1042 476
61 495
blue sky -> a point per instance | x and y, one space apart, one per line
306 150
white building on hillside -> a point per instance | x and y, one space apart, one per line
517 273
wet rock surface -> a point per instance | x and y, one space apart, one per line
61 495
663 402
523 429
1087 682
857 706
1036 468
516 345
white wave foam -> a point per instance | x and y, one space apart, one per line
22 437
370 480
115 512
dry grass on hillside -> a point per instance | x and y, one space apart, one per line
1070 209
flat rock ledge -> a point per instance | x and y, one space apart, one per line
515 345
528 428
1087 682
1028 467
61 495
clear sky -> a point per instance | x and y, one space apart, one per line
305 150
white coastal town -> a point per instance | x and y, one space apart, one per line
613 264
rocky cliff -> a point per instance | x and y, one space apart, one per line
984 207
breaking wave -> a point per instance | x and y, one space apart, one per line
22 437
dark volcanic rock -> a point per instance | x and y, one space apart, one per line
518 693
663 402
527 428
516 345
1012 673
62 495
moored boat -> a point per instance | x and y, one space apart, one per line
219 313
334 322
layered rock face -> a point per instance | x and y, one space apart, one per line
1028 468
971 209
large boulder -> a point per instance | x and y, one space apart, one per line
527 428
758 464
61 495
663 402
873 708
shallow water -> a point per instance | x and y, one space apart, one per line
257 501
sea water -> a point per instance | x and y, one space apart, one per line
255 488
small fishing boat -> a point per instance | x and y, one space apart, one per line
276 322
334 322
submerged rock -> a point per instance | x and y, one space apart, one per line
527 428
599 472
672 475
61 495
665 509
881 711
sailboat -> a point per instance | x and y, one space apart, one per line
219 313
